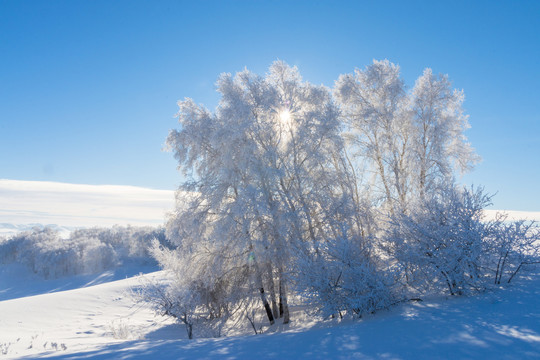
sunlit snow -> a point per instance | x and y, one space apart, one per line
73 205
95 316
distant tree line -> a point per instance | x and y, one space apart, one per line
86 251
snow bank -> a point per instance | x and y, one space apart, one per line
101 322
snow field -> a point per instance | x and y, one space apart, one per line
74 320
103 322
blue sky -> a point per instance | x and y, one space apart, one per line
88 89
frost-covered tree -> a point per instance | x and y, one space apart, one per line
267 182
293 190
375 106
410 141
438 142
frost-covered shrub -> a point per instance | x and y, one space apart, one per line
345 278
96 256
9 249
440 243
194 296
85 251
128 242
510 246
446 243
42 250
56 262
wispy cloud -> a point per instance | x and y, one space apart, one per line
75 205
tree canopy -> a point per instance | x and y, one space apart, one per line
341 197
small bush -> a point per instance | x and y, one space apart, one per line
440 244
511 245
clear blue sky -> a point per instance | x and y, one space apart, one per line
88 89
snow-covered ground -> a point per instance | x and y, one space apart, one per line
94 316
97 318
72 321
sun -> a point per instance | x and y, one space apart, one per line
285 117
285 125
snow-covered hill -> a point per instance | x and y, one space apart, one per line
102 321
25 203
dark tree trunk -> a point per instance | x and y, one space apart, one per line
283 306
264 300
189 325
267 307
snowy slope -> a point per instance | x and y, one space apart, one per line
74 320
25 203
514 215
102 322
